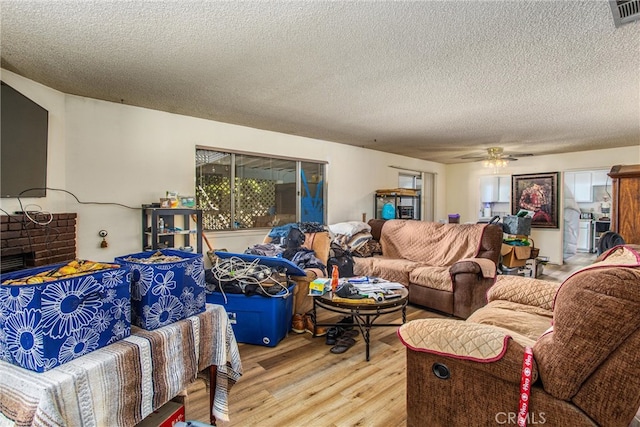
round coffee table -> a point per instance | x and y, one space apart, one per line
364 314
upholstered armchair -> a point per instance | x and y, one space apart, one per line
320 243
585 369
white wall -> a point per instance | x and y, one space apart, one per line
111 153
463 180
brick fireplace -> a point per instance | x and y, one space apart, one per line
27 244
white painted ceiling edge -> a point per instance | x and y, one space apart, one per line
435 80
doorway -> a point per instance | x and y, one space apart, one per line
424 182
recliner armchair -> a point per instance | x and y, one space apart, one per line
586 368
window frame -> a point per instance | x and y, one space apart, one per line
233 188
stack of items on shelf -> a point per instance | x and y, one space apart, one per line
174 200
519 254
392 206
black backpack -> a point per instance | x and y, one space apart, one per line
295 239
341 258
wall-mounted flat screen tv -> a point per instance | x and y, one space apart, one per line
24 128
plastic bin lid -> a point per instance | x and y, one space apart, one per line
269 261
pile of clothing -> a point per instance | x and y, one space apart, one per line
354 237
287 242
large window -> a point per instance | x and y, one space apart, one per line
237 190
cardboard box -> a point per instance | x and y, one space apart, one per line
164 293
257 319
167 415
515 256
47 324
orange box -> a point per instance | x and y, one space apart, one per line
167 415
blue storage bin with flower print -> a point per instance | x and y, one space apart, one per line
166 291
46 324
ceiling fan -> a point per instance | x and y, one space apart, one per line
496 158
496 153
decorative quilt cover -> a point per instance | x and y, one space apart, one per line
122 383
422 252
430 243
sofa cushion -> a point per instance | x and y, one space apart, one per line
432 277
394 270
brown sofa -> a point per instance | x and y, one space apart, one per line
586 369
446 267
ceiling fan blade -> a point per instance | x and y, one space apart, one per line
486 156
470 157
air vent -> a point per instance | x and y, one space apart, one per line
625 11
12 262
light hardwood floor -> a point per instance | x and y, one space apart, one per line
300 383
558 273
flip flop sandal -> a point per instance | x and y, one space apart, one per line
350 334
342 345
332 335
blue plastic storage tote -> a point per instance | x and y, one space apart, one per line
163 293
47 324
257 319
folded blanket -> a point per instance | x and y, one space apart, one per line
461 340
122 383
487 267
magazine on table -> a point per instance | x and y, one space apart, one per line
385 287
365 285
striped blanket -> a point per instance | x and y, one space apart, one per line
122 383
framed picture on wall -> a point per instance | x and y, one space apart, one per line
537 193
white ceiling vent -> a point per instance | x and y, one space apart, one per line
625 11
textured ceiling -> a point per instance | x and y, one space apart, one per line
436 80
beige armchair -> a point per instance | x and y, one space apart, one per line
586 369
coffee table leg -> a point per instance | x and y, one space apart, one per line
366 331
366 341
